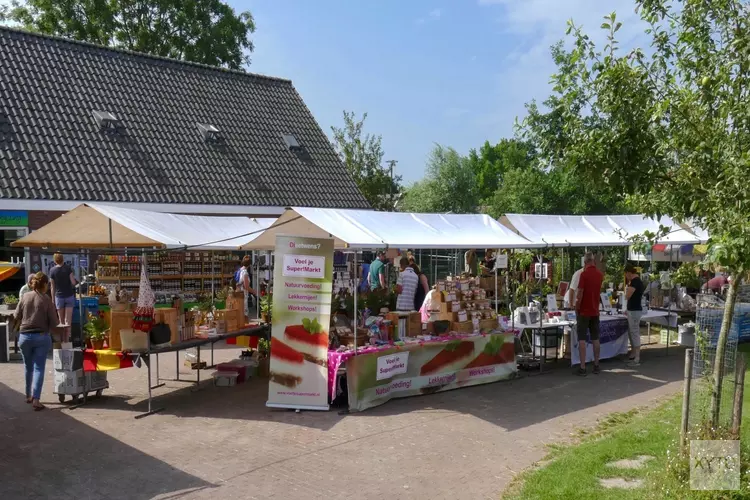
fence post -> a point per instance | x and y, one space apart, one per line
686 396
739 389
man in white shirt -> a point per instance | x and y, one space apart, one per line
570 297
406 286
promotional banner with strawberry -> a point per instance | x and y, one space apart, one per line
435 366
303 276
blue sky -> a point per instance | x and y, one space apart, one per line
454 72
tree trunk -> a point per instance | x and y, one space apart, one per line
721 345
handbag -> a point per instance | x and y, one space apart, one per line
160 334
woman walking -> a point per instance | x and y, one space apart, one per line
37 317
63 290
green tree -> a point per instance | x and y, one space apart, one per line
449 185
670 129
490 163
203 31
363 156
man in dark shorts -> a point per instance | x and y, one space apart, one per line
587 310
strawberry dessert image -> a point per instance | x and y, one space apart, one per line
310 339
453 357
286 364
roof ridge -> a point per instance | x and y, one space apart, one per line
144 55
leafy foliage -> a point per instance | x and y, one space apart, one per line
449 185
490 163
363 157
669 129
95 328
202 31
312 325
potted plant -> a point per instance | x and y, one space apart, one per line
266 307
95 331
264 357
11 301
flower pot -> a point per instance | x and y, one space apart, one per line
11 306
264 317
97 345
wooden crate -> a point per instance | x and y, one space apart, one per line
234 318
119 320
169 316
462 327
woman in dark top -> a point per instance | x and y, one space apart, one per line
634 295
422 287
37 317
62 285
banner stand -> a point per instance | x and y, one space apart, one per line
302 301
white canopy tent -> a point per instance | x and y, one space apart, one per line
106 226
367 229
593 230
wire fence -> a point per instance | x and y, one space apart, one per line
709 318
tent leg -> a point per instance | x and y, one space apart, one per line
496 297
356 288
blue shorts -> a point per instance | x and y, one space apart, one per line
65 302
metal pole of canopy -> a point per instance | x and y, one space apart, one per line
354 320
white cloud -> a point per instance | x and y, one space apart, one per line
433 15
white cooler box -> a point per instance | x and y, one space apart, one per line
77 382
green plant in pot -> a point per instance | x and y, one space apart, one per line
266 307
95 330
11 301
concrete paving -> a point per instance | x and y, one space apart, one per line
222 442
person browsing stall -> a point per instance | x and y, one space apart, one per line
406 286
62 285
244 284
634 296
37 317
27 287
377 272
570 296
587 311
422 288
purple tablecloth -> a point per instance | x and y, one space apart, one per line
610 328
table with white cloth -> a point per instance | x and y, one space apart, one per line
613 333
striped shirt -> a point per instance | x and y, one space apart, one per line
408 280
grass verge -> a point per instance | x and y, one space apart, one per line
574 471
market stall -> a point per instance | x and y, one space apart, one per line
113 229
606 231
415 360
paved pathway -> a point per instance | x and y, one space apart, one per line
224 443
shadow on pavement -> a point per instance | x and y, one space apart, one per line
511 405
48 454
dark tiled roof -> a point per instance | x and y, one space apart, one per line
51 148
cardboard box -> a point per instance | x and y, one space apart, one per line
460 316
67 359
69 382
95 380
415 324
462 326
488 324
445 316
